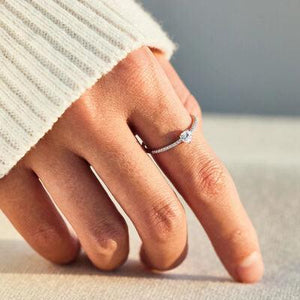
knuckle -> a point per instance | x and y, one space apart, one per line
83 111
81 122
138 61
142 73
165 217
210 178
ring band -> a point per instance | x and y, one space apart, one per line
184 137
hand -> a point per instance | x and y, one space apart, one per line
142 95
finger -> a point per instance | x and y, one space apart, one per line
143 193
209 190
27 205
184 95
100 228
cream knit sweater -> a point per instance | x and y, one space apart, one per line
51 51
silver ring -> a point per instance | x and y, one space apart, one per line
184 137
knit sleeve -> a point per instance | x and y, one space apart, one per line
51 51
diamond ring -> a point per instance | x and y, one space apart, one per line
184 137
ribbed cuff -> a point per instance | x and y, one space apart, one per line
51 51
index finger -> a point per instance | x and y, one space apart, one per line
202 180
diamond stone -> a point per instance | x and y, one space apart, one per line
186 136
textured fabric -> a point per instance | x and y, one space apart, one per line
263 157
51 51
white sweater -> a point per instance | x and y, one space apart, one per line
51 51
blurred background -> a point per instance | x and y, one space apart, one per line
236 56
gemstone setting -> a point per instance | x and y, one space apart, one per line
186 136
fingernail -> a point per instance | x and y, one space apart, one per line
251 268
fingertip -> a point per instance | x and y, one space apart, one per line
68 252
251 268
165 265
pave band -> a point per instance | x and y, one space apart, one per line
184 137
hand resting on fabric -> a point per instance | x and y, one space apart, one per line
142 95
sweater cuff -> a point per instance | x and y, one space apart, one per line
51 51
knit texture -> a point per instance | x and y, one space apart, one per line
51 51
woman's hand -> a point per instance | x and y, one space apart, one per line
142 95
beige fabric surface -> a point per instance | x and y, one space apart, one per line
263 157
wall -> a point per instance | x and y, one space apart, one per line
234 55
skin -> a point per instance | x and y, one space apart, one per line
142 95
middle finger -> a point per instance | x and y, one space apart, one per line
143 193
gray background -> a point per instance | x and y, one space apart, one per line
236 56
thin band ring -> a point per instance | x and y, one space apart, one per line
184 137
